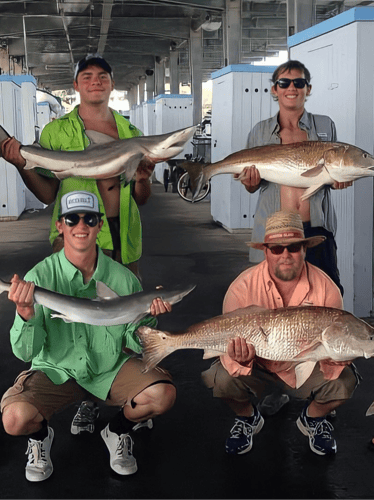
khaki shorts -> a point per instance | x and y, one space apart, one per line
261 382
34 387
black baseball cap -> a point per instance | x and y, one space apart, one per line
92 59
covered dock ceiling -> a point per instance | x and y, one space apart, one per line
46 38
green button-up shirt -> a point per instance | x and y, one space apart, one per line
92 355
68 134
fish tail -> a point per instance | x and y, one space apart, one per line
155 346
198 174
3 136
4 287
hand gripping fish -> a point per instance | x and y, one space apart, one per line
106 157
303 336
309 165
108 309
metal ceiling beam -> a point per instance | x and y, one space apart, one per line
211 5
105 23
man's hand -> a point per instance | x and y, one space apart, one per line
158 307
250 178
341 185
143 172
239 358
10 150
22 294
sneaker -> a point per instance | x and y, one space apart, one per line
120 447
39 465
319 431
272 403
241 435
85 417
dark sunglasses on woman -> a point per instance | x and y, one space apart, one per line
91 220
299 83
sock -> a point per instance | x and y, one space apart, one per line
120 424
42 433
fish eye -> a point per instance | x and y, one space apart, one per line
365 155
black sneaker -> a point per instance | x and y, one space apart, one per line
319 430
85 417
241 435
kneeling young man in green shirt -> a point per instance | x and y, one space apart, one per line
74 361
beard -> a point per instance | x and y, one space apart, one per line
285 275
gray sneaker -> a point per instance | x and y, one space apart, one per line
120 447
84 419
39 465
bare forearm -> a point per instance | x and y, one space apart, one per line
44 188
142 191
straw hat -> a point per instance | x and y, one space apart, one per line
284 228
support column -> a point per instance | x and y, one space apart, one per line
132 96
141 90
301 14
233 32
196 61
159 78
150 83
174 76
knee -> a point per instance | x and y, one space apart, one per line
165 398
158 398
13 421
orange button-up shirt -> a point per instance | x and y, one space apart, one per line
254 286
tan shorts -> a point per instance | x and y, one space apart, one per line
36 388
261 382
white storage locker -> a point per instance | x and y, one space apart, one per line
29 124
44 115
173 112
149 117
12 188
136 116
338 53
241 98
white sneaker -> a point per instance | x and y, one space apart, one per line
120 447
39 465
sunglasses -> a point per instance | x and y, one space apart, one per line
299 83
91 220
279 249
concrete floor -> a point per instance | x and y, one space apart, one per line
183 455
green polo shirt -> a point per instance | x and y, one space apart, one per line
68 134
92 355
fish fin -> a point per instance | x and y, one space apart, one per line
4 287
98 137
103 292
315 171
370 410
211 353
59 175
63 317
155 346
310 191
303 372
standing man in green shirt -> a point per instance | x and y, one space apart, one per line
73 361
121 236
